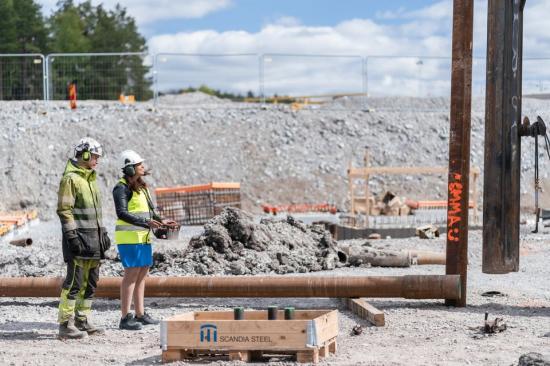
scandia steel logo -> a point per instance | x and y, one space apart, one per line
209 333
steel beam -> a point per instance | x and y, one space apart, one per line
501 194
409 287
459 145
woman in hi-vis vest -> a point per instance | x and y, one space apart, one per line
136 220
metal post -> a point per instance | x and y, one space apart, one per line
261 78
155 81
366 162
365 81
49 82
502 141
44 78
459 145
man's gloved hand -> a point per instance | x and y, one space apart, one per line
75 244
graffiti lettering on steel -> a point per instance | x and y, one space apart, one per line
455 208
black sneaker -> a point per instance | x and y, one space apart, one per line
146 319
129 323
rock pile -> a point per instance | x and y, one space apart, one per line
233 244
280 156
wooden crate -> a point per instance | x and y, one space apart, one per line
312 334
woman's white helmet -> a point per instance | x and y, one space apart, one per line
130 157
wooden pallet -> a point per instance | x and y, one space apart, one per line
310 335
310 355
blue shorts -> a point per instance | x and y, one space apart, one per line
135 255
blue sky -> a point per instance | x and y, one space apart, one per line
253 15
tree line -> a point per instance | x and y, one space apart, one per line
71 28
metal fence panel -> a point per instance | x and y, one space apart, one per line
536 77
22 76
103 76
235 74
311 79
256 78
409 76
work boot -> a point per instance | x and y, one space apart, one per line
85 326
146 319
67 330
129 323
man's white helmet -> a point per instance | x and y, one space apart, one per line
130 157
90 145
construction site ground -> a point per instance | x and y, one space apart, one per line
417 332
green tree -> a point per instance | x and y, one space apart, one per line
68 30
8 32
22 30
88 28
31 38
31 29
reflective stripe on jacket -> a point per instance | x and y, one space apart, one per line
79 201
126 233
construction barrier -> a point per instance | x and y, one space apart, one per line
195 205
300 208
15 220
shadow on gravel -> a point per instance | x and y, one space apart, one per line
491 307
53 304
27 331
145 361
27 336
18 326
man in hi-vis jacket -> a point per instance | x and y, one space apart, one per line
85 239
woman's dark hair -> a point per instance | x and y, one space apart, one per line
137 184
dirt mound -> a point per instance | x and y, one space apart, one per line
232 243
192 98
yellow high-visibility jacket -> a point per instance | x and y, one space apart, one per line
134 212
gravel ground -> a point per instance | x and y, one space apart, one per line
416 332
280 156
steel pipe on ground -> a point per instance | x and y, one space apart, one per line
409 287
426 257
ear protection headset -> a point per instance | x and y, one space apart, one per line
86 156
129 170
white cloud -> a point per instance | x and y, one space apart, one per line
439 10
287 21
423 32
146 11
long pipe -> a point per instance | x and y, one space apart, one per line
409 287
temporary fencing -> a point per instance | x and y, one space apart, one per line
22 76
311 81
195 205
100 76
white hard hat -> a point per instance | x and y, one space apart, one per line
130 157
90 145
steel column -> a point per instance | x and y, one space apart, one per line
409 287
459 145
501 194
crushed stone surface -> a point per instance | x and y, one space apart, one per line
417 332
280 156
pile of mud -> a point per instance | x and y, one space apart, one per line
233 244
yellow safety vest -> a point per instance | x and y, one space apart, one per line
126 233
